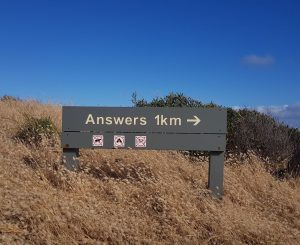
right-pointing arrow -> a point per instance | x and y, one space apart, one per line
196 120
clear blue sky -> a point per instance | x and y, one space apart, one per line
235 53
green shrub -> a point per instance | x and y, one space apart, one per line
171 100
294 163
248 130
9 98
251 130
35 129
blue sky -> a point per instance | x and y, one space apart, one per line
234 53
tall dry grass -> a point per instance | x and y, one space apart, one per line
134 196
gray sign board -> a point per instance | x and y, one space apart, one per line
152 128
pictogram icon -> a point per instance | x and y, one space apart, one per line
98 140
119 141
140 141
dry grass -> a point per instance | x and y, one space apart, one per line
134 196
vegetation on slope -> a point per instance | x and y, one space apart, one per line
248 131
133 196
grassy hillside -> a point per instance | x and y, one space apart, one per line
133 196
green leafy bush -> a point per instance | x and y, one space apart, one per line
171 100
9 98
248 130
294 163
35 129
251 130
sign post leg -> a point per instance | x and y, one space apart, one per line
70 158
216 173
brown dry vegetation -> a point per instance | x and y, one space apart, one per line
134 196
